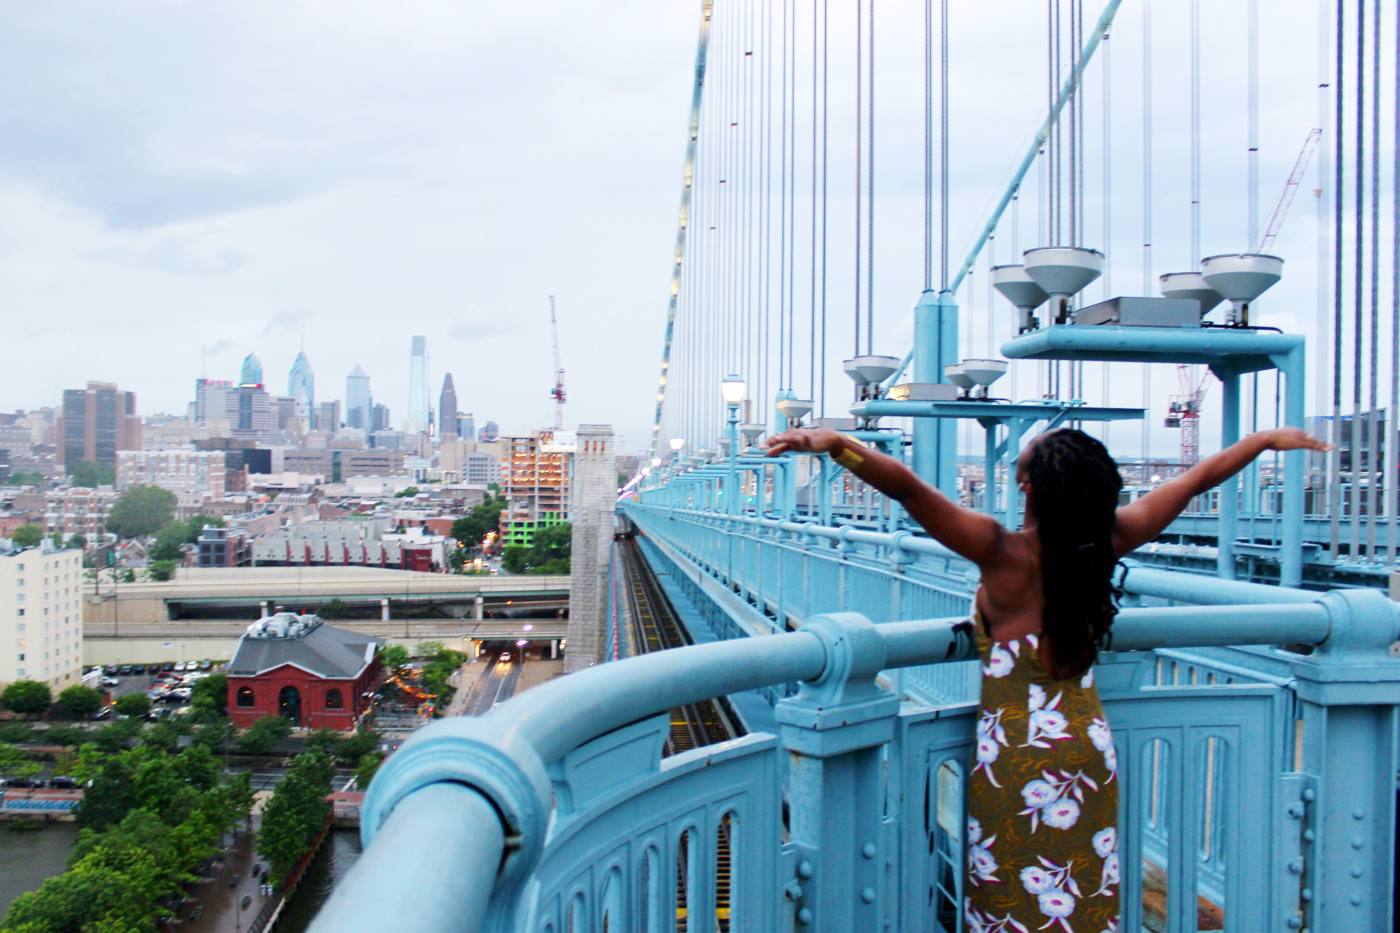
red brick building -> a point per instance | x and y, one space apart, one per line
295 666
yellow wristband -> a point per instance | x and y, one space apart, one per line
847 456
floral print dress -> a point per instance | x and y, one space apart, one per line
1042 800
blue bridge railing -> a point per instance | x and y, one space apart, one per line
1259 780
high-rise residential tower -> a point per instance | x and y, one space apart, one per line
418 414
301 386
97 422
447 408
358 402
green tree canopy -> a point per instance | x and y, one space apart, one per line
174 534
27 697
91 474
77 541
135 705
141 510
484 517
553 542
26 478
211 691
27 535
79 702
92 899
296 812
365 769
263 735
393 656
14 763
162 570
407 493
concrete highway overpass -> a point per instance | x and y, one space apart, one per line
147 642
242 594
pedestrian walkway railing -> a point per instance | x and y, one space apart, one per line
1266 803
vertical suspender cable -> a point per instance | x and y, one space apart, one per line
1393 416
1334 466
870 193
817 372
784 377
792 203
1373 474
765 395
928 145
1322 354
1252 228
1358 244
826 34
943 152
1146 210
747 177
1105 197
1195 257
860 35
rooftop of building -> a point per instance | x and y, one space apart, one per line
305 642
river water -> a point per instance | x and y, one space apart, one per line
340 851
28 857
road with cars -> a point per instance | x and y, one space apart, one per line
495 685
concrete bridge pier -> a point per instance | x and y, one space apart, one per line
480 604
594 519
384 610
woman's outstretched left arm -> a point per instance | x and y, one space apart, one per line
971 534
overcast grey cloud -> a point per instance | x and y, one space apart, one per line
244 176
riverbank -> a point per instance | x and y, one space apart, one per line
30 856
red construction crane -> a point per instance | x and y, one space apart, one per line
1290 188
557 391
1184 410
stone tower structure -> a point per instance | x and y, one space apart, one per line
592 514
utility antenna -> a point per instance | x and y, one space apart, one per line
557 391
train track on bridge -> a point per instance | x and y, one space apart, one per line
657 627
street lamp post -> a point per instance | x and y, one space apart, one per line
733 389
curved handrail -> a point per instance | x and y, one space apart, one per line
493 768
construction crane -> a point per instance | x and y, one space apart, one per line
556 392
1184 410
1290 188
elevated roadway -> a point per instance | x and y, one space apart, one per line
244 593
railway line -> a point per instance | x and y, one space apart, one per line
656 627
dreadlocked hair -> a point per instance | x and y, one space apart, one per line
1074 498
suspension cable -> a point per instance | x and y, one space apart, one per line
860 35
1372 426
826 34
1146 207
870 195
928 145
1334 465
1358 282
943 152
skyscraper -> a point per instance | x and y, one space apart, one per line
212 400
418 385
301 386
97 422
447 408
251 374
358 401
466 426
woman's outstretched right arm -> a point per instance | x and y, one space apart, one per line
1143 520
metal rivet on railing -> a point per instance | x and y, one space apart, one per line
868 850
868 895
1358 814
1295 810
1309 794
1306 894
804 869
1356 871
1356 842
1309 835
804 916
1295 922
1355 900
1295 866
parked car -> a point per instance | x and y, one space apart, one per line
63 781
168 666
24 782
110 682
124 670
104 713
152 668
109 669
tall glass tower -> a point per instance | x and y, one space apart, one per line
251 373
358 401
301 386
418 385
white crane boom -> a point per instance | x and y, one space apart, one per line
557 391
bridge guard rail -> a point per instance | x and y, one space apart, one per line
555 812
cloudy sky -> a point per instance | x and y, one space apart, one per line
181 183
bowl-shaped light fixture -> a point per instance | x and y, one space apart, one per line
733 389
677 443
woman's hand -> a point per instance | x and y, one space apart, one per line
1293 439
805 440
